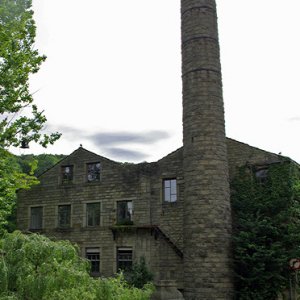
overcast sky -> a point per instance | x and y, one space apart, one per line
112 79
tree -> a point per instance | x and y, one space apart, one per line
34 267
139 275
11 179
20 119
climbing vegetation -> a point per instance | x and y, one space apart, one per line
266 229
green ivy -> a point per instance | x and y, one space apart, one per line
266 230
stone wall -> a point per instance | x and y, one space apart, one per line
156 228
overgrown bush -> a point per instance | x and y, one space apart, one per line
266 230
139 275
36 268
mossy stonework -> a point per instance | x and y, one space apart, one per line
176 212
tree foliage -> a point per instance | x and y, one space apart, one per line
20 119
40 163
11 179
36 268
266 230
139 274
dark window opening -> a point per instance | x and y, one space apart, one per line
64 216
124 259
67 174
124 212
93 172
262 175
36 217
93 255
170 190
93 214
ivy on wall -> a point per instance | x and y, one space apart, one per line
266 217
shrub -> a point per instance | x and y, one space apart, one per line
36 268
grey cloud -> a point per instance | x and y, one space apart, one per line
105 139
294 119
117 138
67 131
113 143
125 154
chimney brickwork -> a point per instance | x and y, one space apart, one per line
207 213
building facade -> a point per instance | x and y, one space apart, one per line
174 212
117 213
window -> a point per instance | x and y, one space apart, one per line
261 175
170 190
93 214
93 172
124 259
67 174
124 212
64 216
93 255
36 217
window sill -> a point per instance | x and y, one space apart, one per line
91 228
34 230
62 229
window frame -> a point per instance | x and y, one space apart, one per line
261 175
87 214
167 190
96 175
124 220
123 261
59 224
41 221
95 262
67 180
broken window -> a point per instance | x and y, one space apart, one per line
67 174
170 190
124 259
124 212
36 217
93 255
64 216
93 214
93 172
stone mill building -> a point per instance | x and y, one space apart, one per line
174 212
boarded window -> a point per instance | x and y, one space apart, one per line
170 190
36 217
67 174
124 259
93 214
64 216
93 172
124 212
93 255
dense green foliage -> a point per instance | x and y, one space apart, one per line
11 179
36 268
266 230
18 172
20 119
40 163
139 275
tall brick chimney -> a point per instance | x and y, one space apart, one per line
207 213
